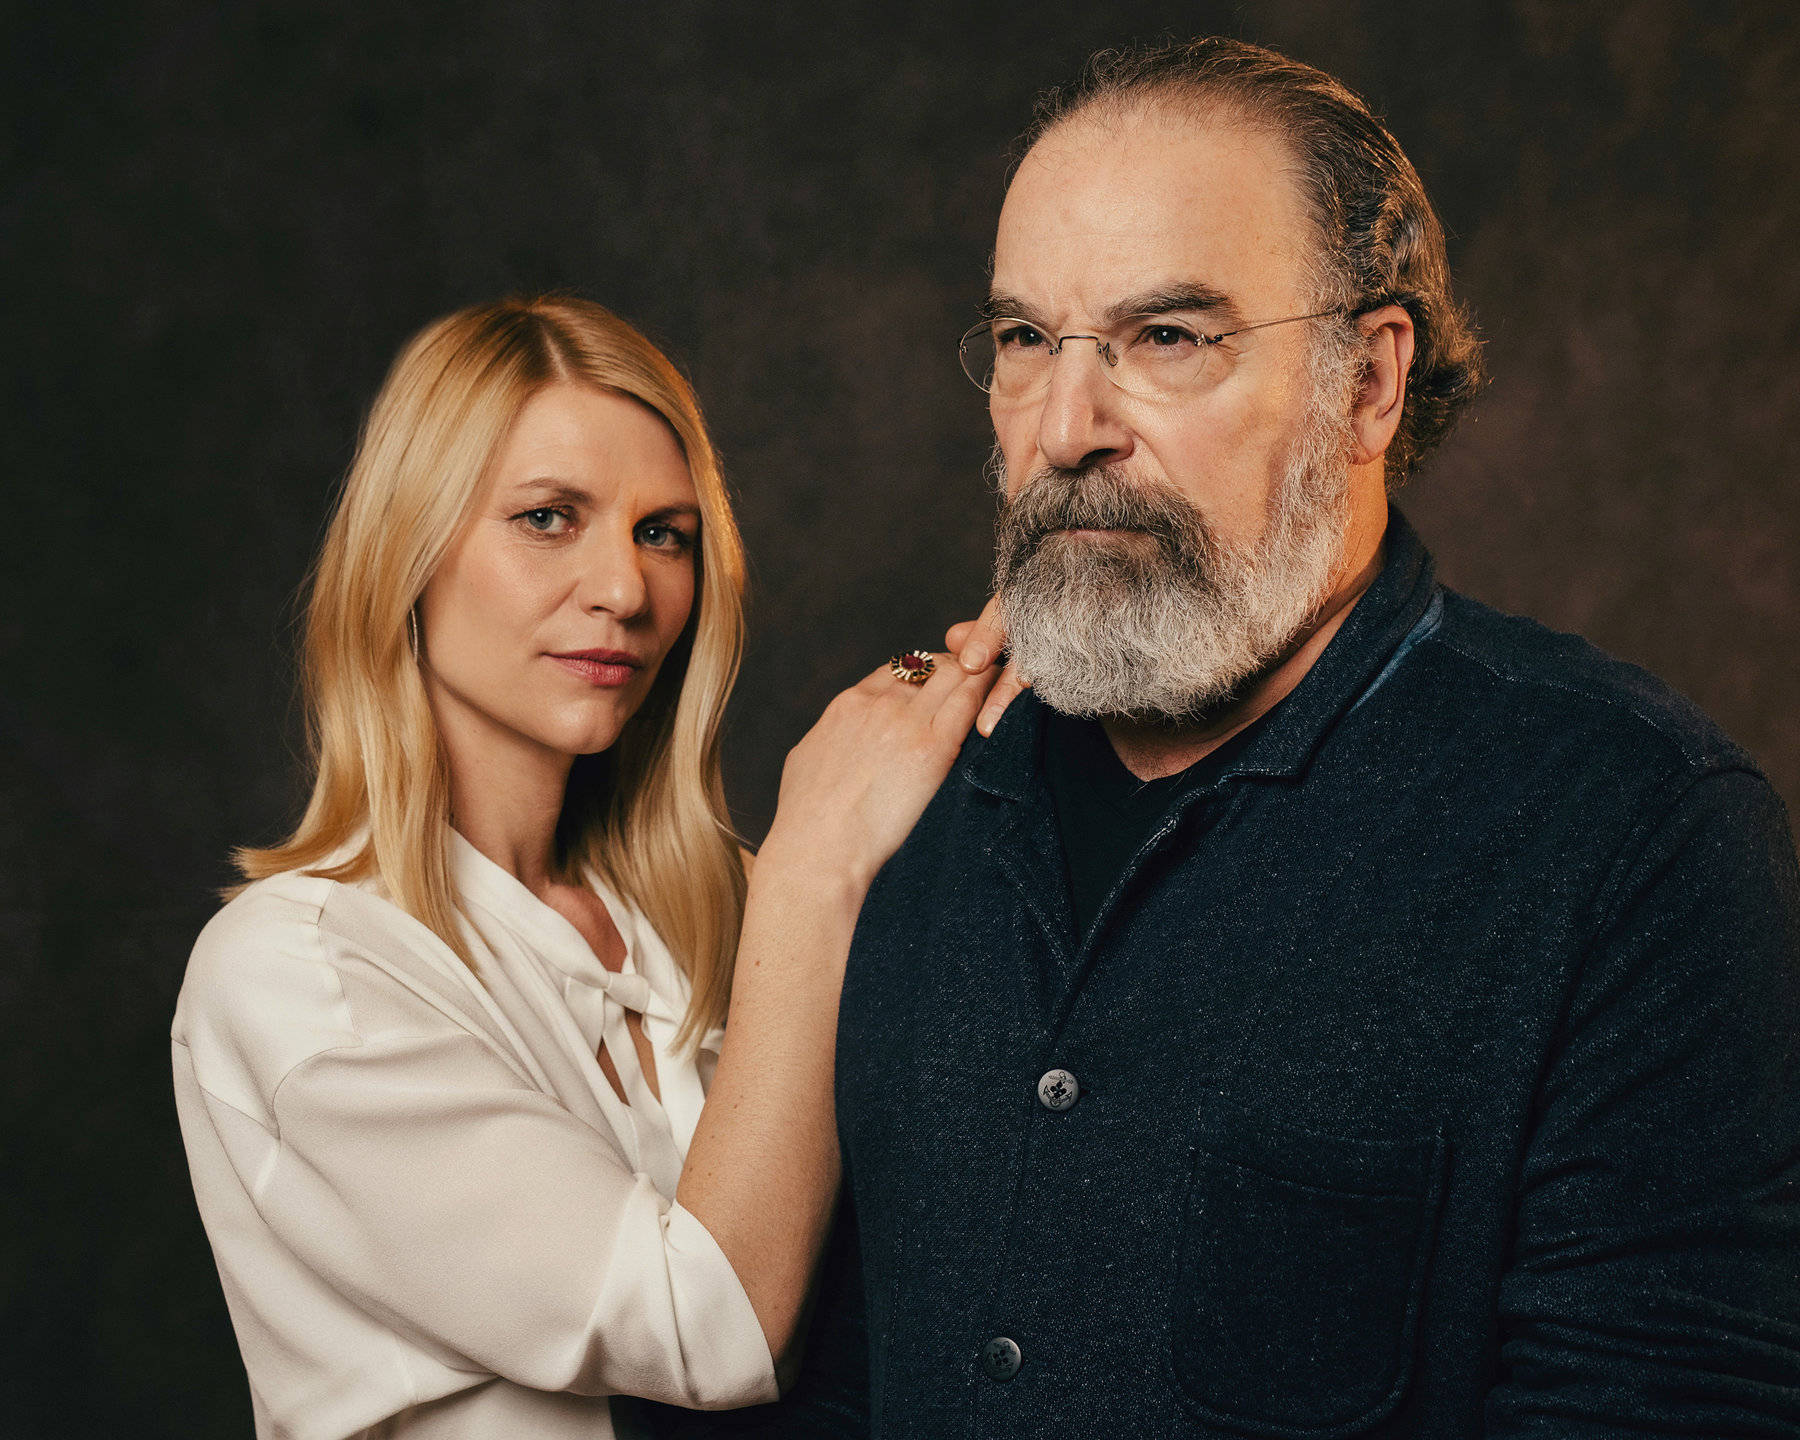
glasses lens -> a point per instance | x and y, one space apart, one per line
976 351
1148 355
1008 358
1158 358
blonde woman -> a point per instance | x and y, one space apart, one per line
440 1067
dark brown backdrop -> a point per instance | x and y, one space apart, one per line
220 225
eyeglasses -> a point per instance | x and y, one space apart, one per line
1150 356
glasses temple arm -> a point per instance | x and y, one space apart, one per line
1285 320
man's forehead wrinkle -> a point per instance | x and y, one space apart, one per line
1114 204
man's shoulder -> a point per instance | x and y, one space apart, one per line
1515 672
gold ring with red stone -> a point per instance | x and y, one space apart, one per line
914 667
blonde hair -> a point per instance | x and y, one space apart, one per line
649 813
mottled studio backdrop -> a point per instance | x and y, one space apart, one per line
220 220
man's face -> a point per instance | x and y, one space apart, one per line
1103 210
1243 477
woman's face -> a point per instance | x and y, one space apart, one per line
545 624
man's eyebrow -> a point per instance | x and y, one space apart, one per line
1168 300
997 305
1173 300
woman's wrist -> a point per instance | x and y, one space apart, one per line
832 871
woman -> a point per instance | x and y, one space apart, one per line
440 1068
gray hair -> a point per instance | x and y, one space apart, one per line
1379 240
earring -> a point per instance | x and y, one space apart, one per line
412 632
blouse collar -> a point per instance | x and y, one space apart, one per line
643 983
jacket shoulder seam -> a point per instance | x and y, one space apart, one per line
1696 758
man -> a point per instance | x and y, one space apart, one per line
1323 1006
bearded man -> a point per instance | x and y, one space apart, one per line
1322 1006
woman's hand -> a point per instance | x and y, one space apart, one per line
762 1170
854 787
977 644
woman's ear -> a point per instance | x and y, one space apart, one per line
1381 392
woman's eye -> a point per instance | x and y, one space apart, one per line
663 537
546 521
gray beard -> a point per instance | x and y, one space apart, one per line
1167 623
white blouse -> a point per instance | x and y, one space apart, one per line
432 1215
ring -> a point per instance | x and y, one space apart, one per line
914 667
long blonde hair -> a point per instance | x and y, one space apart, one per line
648 814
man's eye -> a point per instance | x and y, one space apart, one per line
1019 337
1164 336
545 521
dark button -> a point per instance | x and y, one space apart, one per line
1058 1089
1000 1358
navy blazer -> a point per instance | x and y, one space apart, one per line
1435 1072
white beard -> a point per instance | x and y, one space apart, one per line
1168 623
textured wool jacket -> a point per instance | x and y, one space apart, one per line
1435 1071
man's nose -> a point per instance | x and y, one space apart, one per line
612 577
1080 423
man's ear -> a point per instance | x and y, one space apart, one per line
1381 393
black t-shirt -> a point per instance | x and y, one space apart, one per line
1104 811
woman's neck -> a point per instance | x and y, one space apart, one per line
506 794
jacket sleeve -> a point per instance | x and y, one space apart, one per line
1654 1284
421 1176
830 1398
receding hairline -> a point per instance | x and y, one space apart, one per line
1184 105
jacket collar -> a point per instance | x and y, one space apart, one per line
1378 629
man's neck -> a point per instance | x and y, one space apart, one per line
1151 751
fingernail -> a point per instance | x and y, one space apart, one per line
986 721
976 658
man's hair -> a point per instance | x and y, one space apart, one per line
1379 240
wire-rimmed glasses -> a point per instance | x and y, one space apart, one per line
1151 356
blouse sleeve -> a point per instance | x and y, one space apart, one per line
423 1178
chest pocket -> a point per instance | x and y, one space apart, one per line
1299 1272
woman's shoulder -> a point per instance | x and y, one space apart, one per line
266 930
266 988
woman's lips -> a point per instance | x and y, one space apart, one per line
605 669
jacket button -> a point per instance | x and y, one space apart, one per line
1058 1090
1000 1358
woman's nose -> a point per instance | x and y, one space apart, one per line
612 578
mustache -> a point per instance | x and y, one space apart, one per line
1102 497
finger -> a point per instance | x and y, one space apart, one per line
981 640
922 705
1006 690
957 709
877 681
945 676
